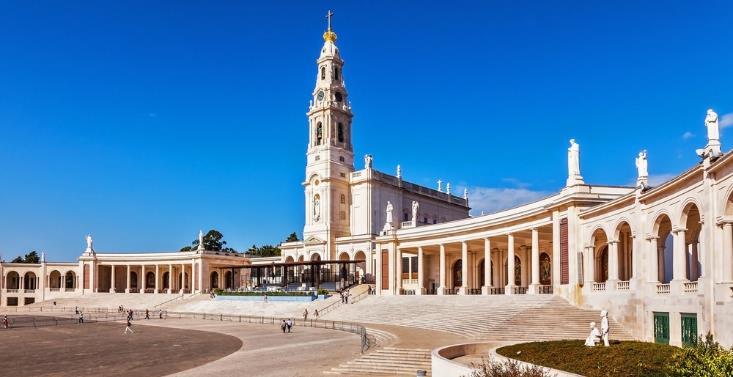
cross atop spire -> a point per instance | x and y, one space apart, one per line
329 14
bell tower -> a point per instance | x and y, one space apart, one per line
330 156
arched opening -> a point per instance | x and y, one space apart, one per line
545 269
150 280
625 247
12 280
665 249
166 280
691 219
29 280
517 271
323 73
183 280
70 278
481 273
361 266
336 73
289 259
319 133
228 280
315 257
600 256
54 280
214 280
133 280
301 259
458 274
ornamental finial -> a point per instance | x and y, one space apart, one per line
329 35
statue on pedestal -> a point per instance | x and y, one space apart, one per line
201 241
642 170
367 161
440 186
399 171
594 336
388 224
712 149
447 188
90 244
574 176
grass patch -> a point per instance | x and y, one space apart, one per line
620 359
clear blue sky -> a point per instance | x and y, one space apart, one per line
144 121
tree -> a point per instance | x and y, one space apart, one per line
264 251
292 237
213 241
31 257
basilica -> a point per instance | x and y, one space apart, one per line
658 258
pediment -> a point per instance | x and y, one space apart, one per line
313 240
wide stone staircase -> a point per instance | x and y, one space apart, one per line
495 317
386 361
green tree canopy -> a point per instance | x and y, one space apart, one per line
213 241
264 251
292 237
31 257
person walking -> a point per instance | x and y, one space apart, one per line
81 317
289 324
305 314
147 314
265 298
283 326
128 328
316 314
6 324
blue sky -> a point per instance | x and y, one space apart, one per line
144 121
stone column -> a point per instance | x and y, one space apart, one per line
127 288
679 267
441 287
653 269
727 267
420 272
378 274
183 279
157 278
398 271
510 265
612 265
534 286
92 276
193 276
464 269
556 268
170 278
590 264
112 284
201 275
143 280
486 288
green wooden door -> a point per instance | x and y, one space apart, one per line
661 328
689 328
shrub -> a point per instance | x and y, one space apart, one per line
510 368
705 358
322 291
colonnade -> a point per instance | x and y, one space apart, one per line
181 277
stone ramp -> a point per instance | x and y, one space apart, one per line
496 317
137 301
386 361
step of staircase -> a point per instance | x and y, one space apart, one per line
386 361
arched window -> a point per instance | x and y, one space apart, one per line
323 73
319 133
338 96
341 132
336 73
343 199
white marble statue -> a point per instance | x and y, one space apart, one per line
399 171
415 208
642 169
574 176
604 327
367 161
447 188
711 122
316 208
201 240
389 224
440 186
465 193
90 242
594 336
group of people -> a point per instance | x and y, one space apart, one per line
345 294
286 324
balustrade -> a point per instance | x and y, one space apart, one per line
663 289
544 289
622 285
689 287
519 290
598 287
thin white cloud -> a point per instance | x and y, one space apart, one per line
687 135
658 179
493 199
726 120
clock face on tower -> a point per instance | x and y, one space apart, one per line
320 96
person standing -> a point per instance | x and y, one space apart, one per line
265 298
128 328
81 317
289 324
5 322
316 314
283 326
305 314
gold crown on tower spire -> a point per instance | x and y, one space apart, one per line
329 35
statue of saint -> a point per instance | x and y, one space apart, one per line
604 327
90 242
389 213
415 208
594 336
642 166
573 159
367 161
711 122
447 188
316 208
201 240
399 171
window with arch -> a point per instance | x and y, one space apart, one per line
323 73
338 96
343 199
341 132
335 73
342 215
319 133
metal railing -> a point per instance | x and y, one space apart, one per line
497 290
473 291
544 289
519 290
450 291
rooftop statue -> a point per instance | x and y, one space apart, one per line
711 122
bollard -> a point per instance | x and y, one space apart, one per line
421 373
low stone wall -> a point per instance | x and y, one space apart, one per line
299 298
552 372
